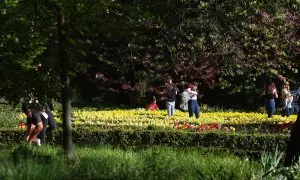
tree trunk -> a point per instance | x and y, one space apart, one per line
66 88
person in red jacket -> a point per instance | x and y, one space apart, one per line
152 105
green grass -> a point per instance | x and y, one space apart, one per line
24 162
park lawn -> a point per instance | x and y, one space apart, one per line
24 162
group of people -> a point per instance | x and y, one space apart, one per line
288 100
189 99
40 122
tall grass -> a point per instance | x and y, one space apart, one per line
26 162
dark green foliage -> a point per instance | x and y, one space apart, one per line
248 142
112 47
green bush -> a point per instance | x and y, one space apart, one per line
254 142
9 116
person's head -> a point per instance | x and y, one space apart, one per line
154 100
187 86
194 86
286 84
168 80
28 113
46 108
271 86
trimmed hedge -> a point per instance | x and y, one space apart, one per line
249 142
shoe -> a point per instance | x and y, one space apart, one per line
38 142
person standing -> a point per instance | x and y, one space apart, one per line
185 97
270 94
170 93
295 103
287 99
193 106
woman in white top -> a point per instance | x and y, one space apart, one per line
193 106
185 97
287 99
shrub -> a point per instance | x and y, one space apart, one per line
254 142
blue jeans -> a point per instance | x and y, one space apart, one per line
193 108
170 108
270 107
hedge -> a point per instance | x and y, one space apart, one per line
123 138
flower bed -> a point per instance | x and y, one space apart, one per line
141 119
221 121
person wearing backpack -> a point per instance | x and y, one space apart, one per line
49 123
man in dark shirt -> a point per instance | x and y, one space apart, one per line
34 126
170 93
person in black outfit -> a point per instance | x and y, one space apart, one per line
170 93
270 94
295 102
48 123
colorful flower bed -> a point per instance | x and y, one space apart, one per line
142 119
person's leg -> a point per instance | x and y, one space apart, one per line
38 128
197 110
284 108
296 109
42 134
268 107
168 105
287 109
172 108
51 124
292 110
190 108
272 107
30 130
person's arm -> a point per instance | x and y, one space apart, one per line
264 93
275 93
193 93
27 132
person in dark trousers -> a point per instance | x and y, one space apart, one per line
193 105
170 93
295 102
270 94
48 122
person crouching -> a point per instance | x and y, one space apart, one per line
152 105
34 126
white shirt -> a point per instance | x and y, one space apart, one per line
193 94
